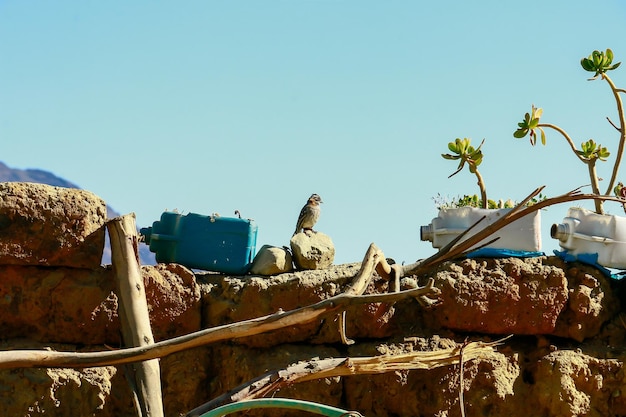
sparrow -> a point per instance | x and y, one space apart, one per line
309 214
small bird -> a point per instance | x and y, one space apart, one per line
309 214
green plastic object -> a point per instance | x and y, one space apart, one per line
315 408
211 243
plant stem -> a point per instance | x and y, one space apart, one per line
591 165
622 140
483 190
595 184
567 138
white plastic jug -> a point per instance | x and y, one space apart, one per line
522 235
586 232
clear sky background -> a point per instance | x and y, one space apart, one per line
212 106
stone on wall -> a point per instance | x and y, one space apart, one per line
313 250
232 299
64 305
68 305
99 391
272 260
185 380
488 384
174 300
492 296
236 364
591 303
50 226
534 296
571 383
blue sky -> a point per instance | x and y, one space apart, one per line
212 106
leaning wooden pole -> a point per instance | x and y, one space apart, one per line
134 317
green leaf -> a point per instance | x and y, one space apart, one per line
463 145
587 64
597 60
520 133
603 153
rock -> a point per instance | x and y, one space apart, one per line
312 250
234 299
235 364
64 305
272 260
533 296
500 296
50 226
489 384
174 300
40 392
591 303
184 379
570 383
99 391
68 305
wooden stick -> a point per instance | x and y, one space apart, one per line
45 358
334 367
134 316
373 257
374 260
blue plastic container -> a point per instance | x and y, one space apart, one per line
211 243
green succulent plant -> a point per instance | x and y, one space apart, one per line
590 152
463 151
529 124
599 62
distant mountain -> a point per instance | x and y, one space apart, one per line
32 175
39 176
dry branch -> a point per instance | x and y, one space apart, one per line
374 259
43 358
337 367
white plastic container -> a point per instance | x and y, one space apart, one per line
522 235
586 232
